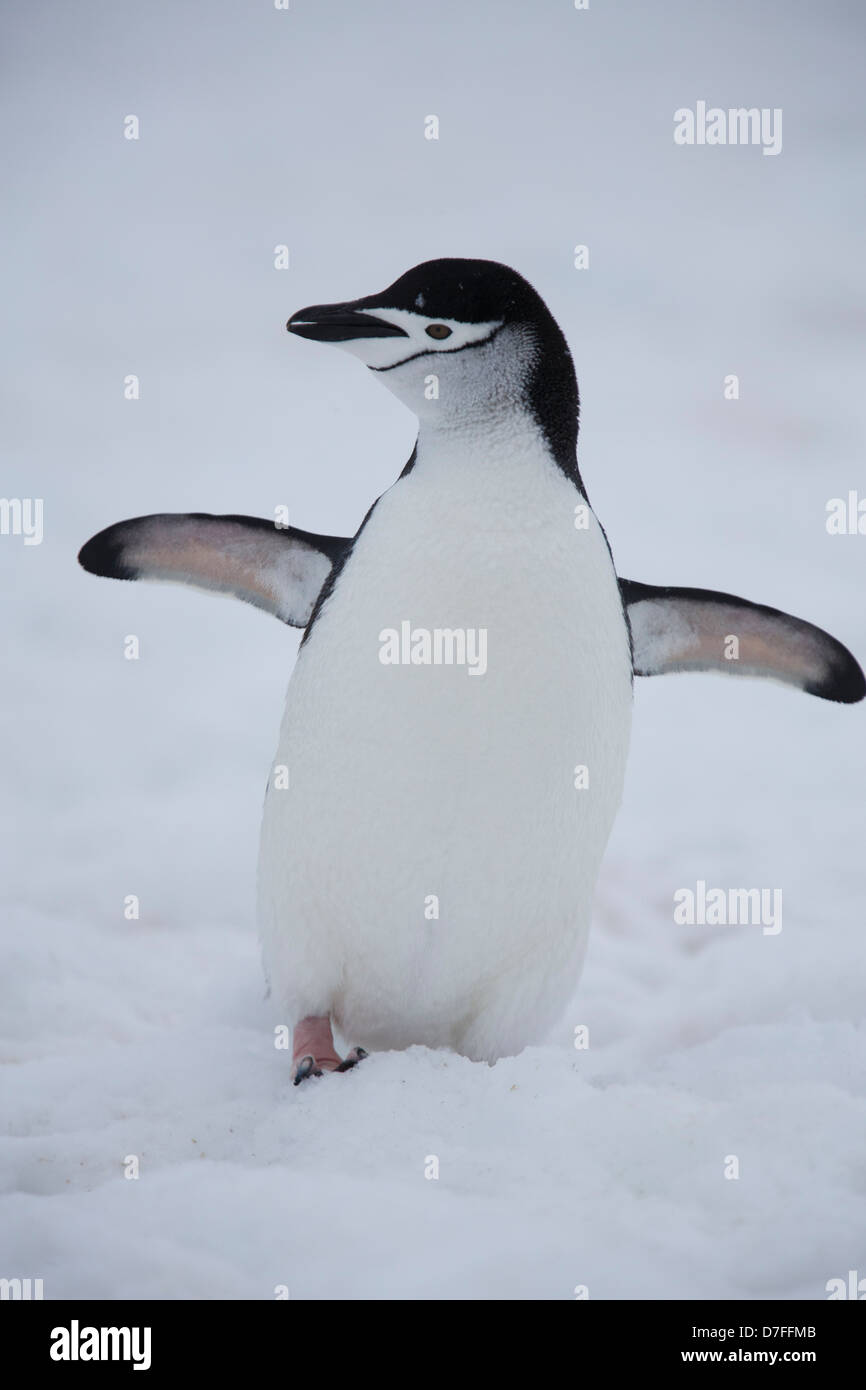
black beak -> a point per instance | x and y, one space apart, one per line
337 323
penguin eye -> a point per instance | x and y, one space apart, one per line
438 330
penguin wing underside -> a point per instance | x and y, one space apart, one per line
283 570
279 569
701 630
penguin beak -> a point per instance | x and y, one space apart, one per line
339 323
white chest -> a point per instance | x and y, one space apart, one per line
479 589
420 777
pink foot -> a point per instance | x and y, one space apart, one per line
313 1050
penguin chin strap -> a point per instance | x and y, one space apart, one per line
284 570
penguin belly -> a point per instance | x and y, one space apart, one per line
427 875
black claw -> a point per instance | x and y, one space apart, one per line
306 1067
356 1055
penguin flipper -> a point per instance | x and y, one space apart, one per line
279 569
691 630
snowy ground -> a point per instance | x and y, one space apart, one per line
558 1168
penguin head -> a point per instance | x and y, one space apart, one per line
456 338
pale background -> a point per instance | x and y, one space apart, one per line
558 1168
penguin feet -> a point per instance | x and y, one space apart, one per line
309 1066
314 1051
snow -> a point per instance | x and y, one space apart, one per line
602 1167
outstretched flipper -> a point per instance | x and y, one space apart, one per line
283 570
691 630
279 569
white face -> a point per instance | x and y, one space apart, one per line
426 337
452 375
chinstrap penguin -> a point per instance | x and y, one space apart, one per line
427 875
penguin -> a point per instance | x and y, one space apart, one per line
457 723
